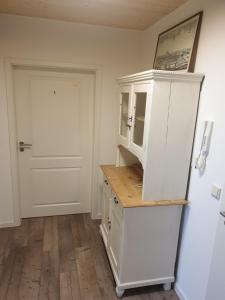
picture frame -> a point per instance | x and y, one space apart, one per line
177 46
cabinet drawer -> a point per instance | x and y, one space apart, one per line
106 188
116 206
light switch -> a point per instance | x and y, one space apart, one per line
216 191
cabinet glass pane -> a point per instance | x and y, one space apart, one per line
124 114
139 118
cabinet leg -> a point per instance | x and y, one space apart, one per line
167 286
119 292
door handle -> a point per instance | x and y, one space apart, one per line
222 213
23 146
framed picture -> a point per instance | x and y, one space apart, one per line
177 47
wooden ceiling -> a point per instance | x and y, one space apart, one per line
130 14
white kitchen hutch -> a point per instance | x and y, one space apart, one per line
144 192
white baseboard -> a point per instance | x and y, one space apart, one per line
9 224
179 292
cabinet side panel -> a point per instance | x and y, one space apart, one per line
181 124
154 159
150 243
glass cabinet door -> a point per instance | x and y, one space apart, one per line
139 118
124 114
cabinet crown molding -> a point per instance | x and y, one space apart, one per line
160 75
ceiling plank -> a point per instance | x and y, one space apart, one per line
130 14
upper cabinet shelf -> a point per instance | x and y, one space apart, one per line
157 120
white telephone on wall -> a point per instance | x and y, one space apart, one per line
201 159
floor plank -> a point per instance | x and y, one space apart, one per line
66 250
61 258
15 280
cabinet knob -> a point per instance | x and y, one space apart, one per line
106 182
115 200
109 224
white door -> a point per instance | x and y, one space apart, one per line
54 113
216 283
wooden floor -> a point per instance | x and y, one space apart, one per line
60 257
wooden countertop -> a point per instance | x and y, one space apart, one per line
126 183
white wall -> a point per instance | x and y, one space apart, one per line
6 204
116 51
202 214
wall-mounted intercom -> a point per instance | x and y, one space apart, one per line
201 159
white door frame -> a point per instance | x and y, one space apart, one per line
9 64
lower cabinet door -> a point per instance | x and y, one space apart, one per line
105 217
115 235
